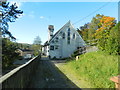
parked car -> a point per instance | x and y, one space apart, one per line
28 56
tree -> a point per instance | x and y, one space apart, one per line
97 31
84 31
37 41
9 14
102 33
93 26
9 53
37 46
113 43
88 30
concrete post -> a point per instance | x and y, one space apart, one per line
116 80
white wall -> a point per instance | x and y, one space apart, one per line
65 49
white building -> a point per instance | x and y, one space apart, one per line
63 43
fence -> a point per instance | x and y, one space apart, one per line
20 76
92 42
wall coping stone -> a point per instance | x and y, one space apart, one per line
3 78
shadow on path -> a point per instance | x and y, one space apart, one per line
49 76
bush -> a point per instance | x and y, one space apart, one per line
9 53
112 46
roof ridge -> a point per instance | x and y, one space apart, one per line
59 30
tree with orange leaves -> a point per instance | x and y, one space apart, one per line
103 32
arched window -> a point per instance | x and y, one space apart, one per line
74 36
68 41
56 39
52 41
68 29
63 36
68 38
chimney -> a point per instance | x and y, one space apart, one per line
50 31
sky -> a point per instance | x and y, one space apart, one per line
38 15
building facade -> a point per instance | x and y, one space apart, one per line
63 43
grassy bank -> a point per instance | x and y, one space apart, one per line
93 69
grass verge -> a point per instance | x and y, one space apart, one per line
92 70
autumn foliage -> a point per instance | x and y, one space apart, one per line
106 24
103 31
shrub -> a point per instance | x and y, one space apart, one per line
9 53
112 46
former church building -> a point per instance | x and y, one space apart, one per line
63 43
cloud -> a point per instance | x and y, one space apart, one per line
42 17
31 14
45 18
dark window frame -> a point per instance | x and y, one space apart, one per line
68 41
51 47
74 35
56 47
68 37
56 39
53 41
63 35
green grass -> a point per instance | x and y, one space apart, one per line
95 68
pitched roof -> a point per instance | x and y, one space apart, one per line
26 50
46 43
67 24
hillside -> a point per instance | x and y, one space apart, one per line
92 70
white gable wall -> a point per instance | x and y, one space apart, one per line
65 49
55 52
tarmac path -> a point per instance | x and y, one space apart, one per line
49 76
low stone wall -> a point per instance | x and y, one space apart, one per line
91 48
20 76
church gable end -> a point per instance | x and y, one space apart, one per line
64 42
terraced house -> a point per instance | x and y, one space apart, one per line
63 43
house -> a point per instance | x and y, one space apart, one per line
63 43
24 52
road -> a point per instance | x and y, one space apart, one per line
49 76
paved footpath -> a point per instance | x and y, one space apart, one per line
49 76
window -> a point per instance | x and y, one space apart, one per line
68 33
63 36
74 36
56 47
56 39
68 29
61 32
68 38
68 41
51 47
53 41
